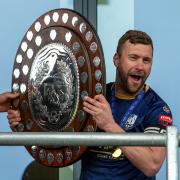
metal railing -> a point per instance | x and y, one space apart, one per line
171 140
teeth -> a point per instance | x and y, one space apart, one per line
135 77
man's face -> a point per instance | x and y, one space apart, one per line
134 66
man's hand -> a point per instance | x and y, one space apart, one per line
5 100
100 109
14 118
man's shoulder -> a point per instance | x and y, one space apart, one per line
152 96
153 100
158 110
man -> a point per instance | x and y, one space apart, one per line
130 106
5 100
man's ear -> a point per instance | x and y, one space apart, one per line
116 59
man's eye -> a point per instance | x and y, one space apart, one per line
132 58
147 61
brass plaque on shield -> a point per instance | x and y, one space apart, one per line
58 62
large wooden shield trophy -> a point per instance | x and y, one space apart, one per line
58 62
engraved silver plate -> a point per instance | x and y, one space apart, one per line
50 158
74 21
59 157
96 61
84 77
83 94
76 46
15 87
93 47
42 154
81 116
81 61
98 88
98 74
89 36
82 27
34 150
76 149
19 58
68 155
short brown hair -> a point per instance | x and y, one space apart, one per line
134 37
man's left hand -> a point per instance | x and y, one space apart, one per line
100 109
6 99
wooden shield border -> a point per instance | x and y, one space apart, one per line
69 28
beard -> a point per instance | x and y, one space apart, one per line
125 85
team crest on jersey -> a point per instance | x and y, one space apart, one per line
166 109
131 120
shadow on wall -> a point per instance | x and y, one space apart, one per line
36 171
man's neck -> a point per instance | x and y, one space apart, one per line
121 94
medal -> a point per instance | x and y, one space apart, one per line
117 153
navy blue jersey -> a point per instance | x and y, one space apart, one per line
151 115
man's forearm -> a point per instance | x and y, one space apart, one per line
146 159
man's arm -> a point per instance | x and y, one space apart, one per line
146 159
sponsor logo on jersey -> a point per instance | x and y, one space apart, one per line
165 120
166 109
131 120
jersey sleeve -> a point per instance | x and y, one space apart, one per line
158 118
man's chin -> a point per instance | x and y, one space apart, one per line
134 90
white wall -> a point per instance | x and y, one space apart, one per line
160 19
114 18
15 18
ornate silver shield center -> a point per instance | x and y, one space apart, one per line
54 87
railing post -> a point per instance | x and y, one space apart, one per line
172 153
76 170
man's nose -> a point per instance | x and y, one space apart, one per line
140 64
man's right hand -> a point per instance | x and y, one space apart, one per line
13 118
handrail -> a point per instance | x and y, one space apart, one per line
81 138
171 140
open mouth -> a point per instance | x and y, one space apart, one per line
136 78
